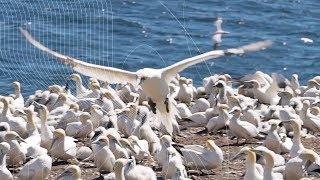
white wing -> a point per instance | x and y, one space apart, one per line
169 72
109 74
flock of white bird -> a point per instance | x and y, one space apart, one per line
117 128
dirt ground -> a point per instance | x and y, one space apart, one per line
229 169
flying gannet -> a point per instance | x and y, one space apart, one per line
154 82
219 32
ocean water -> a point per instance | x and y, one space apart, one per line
147 33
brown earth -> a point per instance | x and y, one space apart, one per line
229 169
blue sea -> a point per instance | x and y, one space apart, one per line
147 33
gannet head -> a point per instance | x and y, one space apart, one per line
145 74
166 140
59 133
235 110
120 163
95 107
313 83
16 85
4 100
76 77
309 155
11 135
113 139
223 107
93 80
43 111
294 77
255 84
84 117
211 145
220 84
74 106
182 81
306 104
102 141
71 171
251 156
63 97
94 86
126 144
55 89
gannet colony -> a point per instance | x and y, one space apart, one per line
133 131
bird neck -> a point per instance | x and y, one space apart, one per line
3 161
251 160
269 162
5 108
119 173
17 91
296 136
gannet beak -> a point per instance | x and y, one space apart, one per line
237 156
132 149
21 140
306 166
63 174
286 121
95 142
95 135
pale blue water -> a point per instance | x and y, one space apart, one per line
146 33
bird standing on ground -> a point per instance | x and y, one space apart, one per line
154 82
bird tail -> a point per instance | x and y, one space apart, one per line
166 114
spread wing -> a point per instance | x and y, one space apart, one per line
103 73
169 72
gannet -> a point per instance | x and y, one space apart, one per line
81 90
183 110
251 169
101 131
80 129
199 157
241 129
145 132
18 101
116 147
201 105
296 167
5 174
161 153
169 167
269 157
46 134
273 141
16 124
140 146
286 143
221 121
154 82
63 147
71 115
218 33
38 168
185 93
297 146
33 133
96 115
72 172
115 99
16 155
60 106
126 169
104 159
